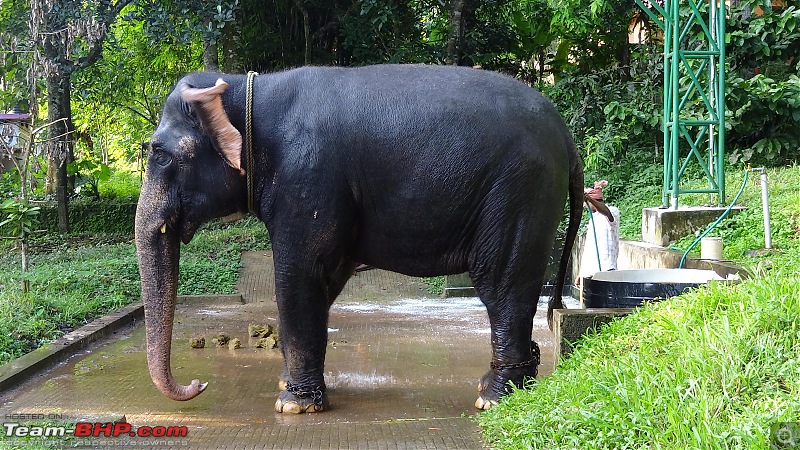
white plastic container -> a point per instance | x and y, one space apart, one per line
711 248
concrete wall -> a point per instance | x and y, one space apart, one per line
642 255
663 226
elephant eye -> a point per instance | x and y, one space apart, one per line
162 158
188 110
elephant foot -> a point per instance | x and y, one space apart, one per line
296 400
484 404
486 397
497 382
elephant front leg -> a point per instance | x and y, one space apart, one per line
334 287
303 315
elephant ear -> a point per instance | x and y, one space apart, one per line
208 104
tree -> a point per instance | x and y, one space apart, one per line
69 37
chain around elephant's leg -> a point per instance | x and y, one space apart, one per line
509 371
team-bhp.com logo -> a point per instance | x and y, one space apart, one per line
785 436
94 429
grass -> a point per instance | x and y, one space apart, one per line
716 368
741 232
78 278
711 369
745 231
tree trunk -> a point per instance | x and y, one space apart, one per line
306 32
624 59
456 33
58 107
231 46
210 56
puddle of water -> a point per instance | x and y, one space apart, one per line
425 306
433 307
214 312
466 312
358 380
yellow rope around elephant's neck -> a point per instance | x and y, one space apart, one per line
249 140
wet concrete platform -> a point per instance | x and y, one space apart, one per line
401 371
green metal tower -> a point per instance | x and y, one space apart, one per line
694 92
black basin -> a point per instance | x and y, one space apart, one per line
630 288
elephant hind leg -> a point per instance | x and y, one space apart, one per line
489 392
507 268
515 358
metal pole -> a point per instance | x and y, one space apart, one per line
668 124
712 68
721 18
676 100
765 205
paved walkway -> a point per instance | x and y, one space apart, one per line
401 369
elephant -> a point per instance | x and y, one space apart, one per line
424 170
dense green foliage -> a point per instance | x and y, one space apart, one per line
576 52
763 95
614 110
714 368
91 216
83 277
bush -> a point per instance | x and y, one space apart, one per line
92 216
122 185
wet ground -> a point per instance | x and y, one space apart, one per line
401 371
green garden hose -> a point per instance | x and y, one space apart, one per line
716 222
594 232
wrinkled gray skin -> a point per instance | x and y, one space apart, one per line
422 170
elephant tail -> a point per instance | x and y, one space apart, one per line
575 212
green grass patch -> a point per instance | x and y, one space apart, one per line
122 184
741 232
744 231
210 263
715 368
78 278
711 369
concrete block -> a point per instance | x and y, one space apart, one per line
663 226
634 255
571 324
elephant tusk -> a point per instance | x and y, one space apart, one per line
164 228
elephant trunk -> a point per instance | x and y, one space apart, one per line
158 252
